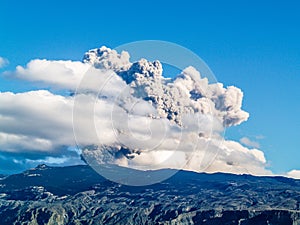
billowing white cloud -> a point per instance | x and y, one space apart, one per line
246 141
208 156
128 114
239 159
57 74
3 62
35 121
293 174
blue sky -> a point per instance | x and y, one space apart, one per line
253 45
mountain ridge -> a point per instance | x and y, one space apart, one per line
79 195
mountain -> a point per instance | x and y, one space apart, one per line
78 195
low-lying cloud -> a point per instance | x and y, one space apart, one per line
293 174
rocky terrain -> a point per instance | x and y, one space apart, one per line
79 195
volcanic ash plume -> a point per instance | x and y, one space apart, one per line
163 122
187 93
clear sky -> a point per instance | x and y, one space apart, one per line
253 45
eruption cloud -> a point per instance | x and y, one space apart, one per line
156 122
133 115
